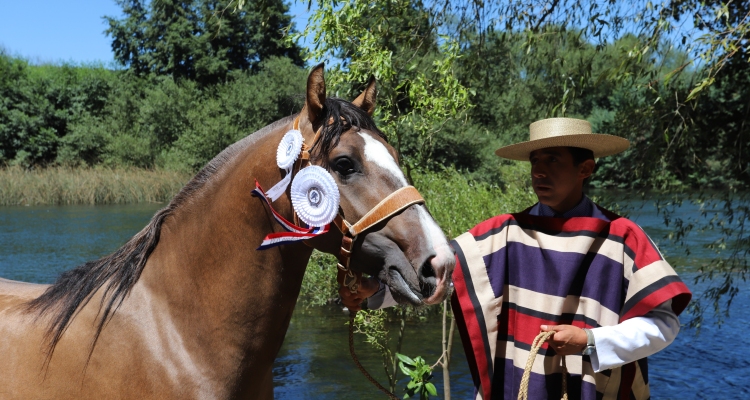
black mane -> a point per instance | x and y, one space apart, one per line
339 116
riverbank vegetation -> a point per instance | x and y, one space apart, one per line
101 185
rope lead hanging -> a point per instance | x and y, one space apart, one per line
523 391
356 360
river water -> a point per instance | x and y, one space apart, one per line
37 243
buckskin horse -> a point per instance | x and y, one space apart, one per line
188 308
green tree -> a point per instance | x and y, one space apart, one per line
197 39
397 42
155 121
39 104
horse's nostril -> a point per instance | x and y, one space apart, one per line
426 271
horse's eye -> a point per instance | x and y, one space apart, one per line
344 166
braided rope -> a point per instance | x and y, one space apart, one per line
523 392
361 368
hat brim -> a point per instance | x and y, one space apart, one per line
601 144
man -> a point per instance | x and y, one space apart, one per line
564 265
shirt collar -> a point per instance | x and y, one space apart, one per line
584 208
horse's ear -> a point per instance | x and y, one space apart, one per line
316 93
366 100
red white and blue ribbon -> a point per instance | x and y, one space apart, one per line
294 233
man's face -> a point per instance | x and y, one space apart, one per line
557 182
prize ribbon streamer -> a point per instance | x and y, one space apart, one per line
294 234
286 154
314 194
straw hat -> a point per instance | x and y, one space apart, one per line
564 132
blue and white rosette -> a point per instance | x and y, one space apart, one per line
315 196
287 153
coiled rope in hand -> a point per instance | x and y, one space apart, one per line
523 391
356 360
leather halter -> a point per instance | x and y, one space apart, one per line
386 209
383 211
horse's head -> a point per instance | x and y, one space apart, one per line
407 251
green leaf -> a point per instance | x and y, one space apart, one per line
431 389
405 359
704 84
669 75
405 370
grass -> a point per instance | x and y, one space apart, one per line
64 185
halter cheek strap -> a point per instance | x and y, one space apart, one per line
304 161
305 156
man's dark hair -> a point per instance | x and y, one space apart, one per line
580 155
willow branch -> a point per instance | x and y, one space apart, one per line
546 14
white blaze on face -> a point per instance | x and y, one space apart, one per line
443 252
377 153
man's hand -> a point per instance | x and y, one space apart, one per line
353 301
567 340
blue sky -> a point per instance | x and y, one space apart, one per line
54 31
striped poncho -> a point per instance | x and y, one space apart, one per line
516 272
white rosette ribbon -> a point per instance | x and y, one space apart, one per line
286 154
315 196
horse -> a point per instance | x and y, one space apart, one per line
189 307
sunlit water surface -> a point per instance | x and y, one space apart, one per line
37 243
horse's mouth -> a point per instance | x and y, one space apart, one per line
402 292
441 289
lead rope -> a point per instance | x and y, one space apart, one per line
351 281
384 210
523 392
361 368
346 277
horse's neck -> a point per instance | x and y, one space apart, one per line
211 279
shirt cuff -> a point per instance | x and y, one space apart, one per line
634 338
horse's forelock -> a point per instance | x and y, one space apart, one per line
340 116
